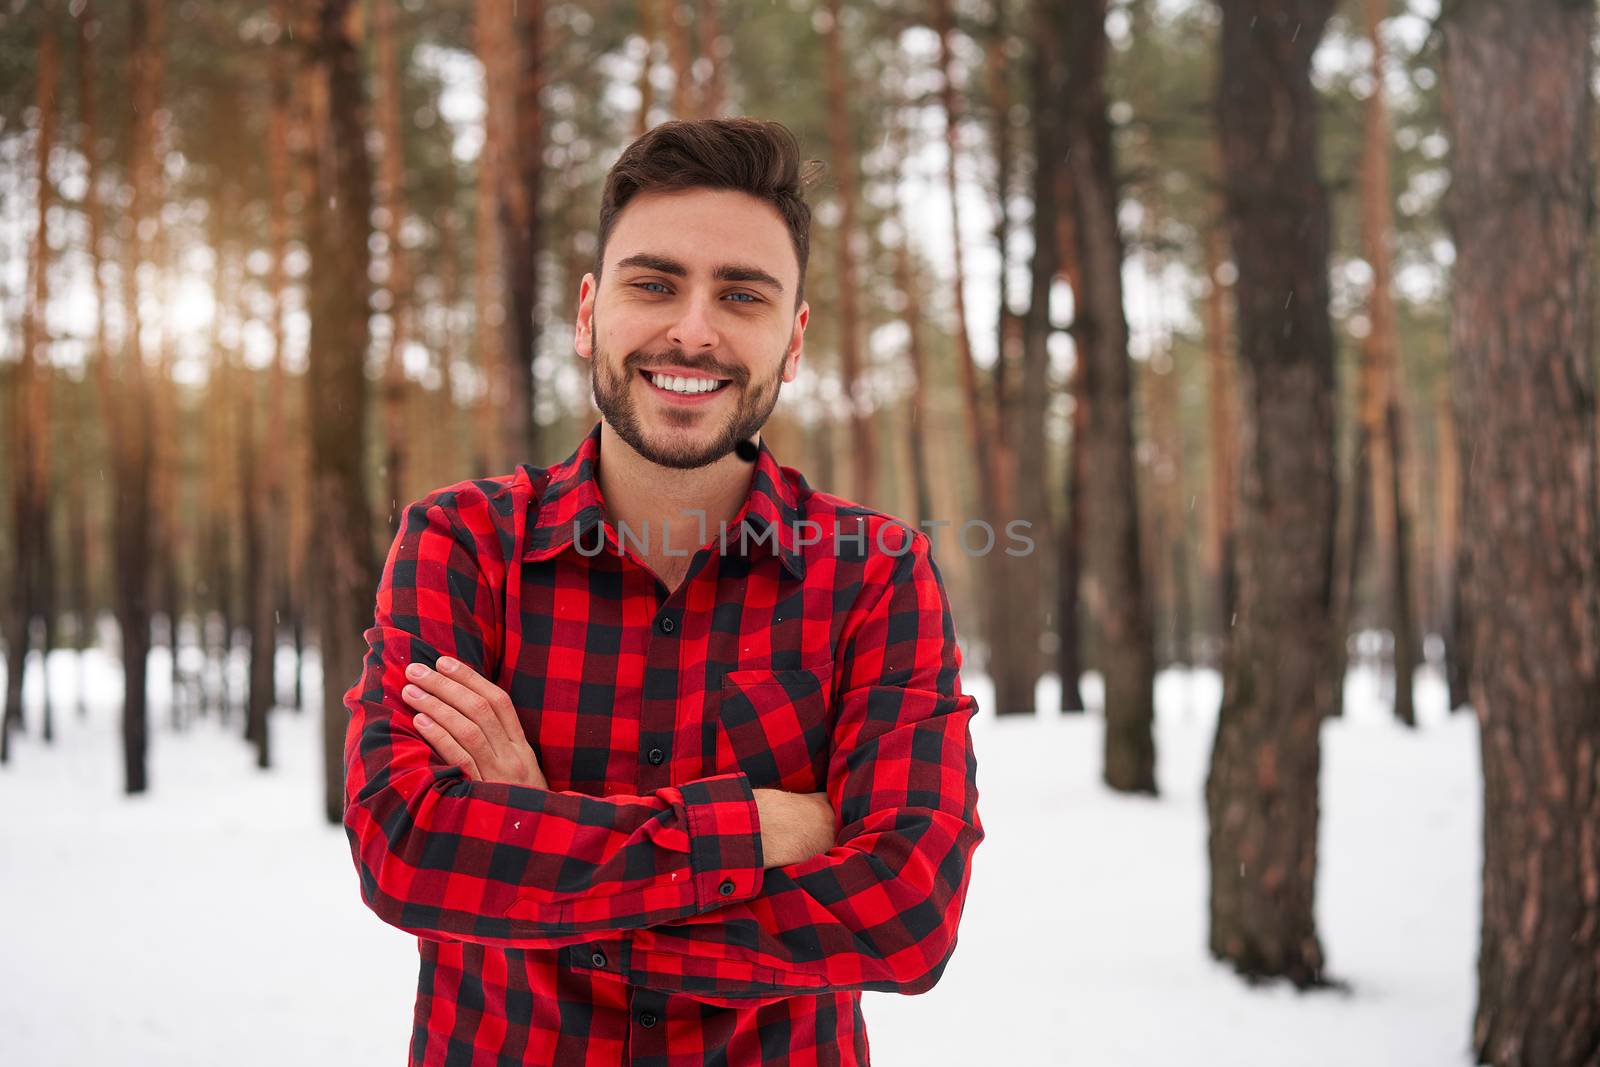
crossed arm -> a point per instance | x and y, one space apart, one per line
472 723
684 873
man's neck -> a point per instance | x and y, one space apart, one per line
648 497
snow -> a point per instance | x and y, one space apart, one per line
217 918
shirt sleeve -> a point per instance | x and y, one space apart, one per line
444 857
879 910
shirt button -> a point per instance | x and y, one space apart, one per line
656 756
726 888
647 1019
598 959
666 624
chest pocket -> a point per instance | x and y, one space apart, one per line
776 727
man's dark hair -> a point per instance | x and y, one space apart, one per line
752 155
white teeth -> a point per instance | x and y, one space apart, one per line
684 385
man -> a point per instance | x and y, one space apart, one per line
642 803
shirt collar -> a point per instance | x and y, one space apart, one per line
570 505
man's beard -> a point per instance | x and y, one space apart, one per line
753 405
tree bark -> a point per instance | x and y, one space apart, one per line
340 303
1118 597
130 408
863 452
489 288
1010 661
392 198
29 421
1519 111
523 184
1222 415
1280 672
1381 430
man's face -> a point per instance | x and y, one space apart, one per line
697 291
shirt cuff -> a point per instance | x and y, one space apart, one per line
724 839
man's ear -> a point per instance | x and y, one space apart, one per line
583 339
797 340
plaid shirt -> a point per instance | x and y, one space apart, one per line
623 915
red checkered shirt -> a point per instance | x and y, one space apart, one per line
623 914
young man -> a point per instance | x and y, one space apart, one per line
641 802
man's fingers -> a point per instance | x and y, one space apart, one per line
463 729
447 746
463 699
461 685
497 699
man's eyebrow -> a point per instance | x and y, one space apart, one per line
650 262
727 272
734 272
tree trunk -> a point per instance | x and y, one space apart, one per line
1447 569
1009 658
708 20
1033 397
99 356
1117 594
1381 423
523 184
391 197
130 412
1222 416
863 453
1522 346
272 459
1069 545
1280 673
340 297
916 353
29 422
489 311
674 23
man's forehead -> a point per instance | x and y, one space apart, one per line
720 233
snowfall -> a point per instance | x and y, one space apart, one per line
216 920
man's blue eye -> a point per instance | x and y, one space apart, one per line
645 285
748 298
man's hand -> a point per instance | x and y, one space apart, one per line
794 826
470 722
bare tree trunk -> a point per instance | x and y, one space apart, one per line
1048 84
916 353
709 22
1281 673
1117 594
346 573
863 452
1447 565
99 355
523 185
1222 415
273 571
1522 344
1069 545
131 408
489 290
1382 424
29 422
392 198
1007 660
681 55
647 91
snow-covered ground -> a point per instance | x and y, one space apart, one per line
216 920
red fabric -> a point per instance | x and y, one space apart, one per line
623 915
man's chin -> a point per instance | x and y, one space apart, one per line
683 447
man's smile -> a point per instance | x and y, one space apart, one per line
684 387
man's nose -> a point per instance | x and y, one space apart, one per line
693 329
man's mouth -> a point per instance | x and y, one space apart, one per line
684 385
